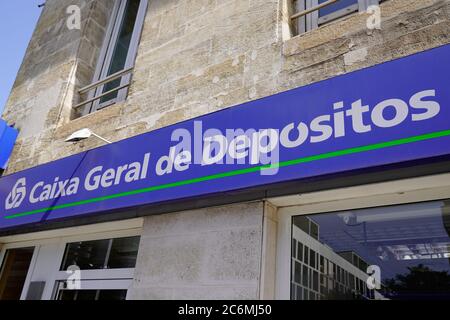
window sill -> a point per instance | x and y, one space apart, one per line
325 33
91 120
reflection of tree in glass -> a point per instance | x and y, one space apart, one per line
420 283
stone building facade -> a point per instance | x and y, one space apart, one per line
197 57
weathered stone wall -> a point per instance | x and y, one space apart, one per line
212 253
57 63
195 57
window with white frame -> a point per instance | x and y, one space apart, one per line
106 266
311 14
119 253
116 60
391 252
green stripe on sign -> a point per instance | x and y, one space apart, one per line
328 155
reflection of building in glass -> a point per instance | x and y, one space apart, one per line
319 273
408 243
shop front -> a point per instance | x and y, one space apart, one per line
350 176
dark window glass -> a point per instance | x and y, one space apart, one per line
298 273
67 295
312 258
120 53
314 232
294 248
102 254
302 222
352 281
86 295
363 265
355 260
123 253
315 281
300 251
112 295
305 276
410 244
349 256
306 255
92 295
86 255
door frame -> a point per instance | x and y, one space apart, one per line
119 229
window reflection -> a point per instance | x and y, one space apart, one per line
409 243
102 254
92 295
87 255
123 253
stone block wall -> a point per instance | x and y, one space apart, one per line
212 253
57 63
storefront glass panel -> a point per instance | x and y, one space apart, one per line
393 252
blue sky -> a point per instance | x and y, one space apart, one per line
17 21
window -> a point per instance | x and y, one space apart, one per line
118 253
307 225
311 14
107 268
115 64
409 244
90 295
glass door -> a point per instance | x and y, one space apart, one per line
13 272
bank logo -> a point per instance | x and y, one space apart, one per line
17 194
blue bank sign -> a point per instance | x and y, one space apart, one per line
391 113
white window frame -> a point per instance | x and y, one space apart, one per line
312 21
99 278
94 279
414 190
105 56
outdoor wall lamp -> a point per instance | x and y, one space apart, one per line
84 134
